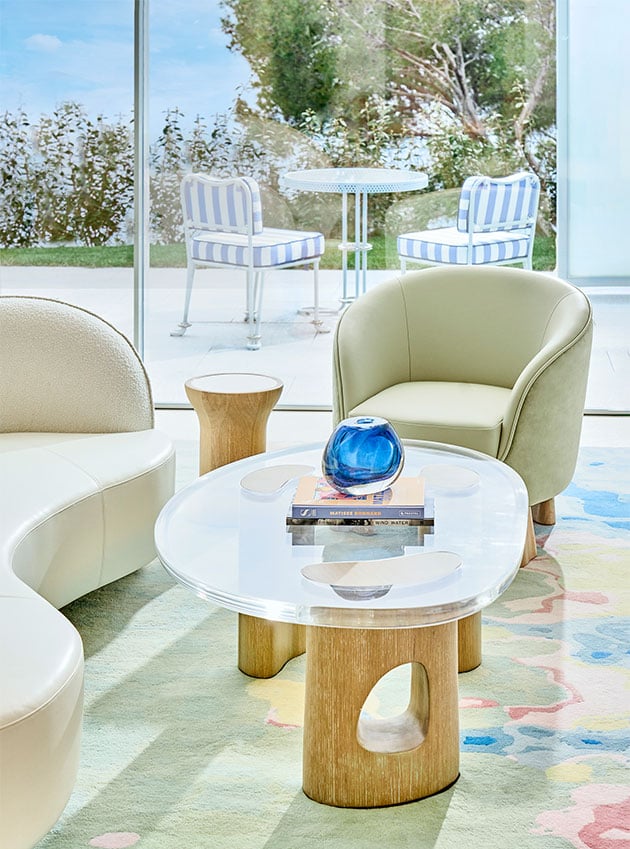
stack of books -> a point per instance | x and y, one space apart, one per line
316 503
398 516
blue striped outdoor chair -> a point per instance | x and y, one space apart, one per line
496 224
223 228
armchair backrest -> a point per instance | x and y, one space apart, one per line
227 205
461 324
498 203
65 370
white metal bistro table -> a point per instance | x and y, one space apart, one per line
227 541
359 182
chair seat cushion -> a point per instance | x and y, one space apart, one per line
466 414
272 247
449 245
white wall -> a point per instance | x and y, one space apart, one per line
594 141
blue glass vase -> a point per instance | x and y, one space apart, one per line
363 455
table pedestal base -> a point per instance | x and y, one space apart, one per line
354 761
264 647
469 642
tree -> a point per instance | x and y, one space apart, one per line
84 187
168 165
288 47
484 68
18 211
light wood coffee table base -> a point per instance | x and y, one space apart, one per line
354 761
264 647
351 760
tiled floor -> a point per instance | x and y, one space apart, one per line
292 350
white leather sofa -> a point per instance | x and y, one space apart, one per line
83 475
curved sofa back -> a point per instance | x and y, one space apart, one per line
65 370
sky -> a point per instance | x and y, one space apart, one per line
82 50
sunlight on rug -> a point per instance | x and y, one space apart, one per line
182 751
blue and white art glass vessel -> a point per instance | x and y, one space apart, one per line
363 455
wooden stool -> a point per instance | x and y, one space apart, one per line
233 410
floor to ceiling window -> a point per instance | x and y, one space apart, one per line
594 178
259 88
66 153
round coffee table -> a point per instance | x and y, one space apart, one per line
225 538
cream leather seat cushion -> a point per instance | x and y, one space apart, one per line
466 414
41 656
82 499
83 476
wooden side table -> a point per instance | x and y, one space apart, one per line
233 410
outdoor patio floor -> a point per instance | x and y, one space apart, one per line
291 348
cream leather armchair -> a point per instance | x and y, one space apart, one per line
494 359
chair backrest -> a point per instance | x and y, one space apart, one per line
408 329
498 203
227 205
65 370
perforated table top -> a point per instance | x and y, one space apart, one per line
352 180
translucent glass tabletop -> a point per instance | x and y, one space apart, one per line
231 545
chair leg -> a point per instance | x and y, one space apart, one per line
184 324
529 549
545 512
319 324
403 265
254 302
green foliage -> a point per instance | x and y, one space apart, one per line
85 176
301 62
289 49
68 178
382 255
167 160
18 211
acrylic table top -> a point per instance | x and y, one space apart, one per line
231 545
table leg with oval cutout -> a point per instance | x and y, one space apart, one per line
353 761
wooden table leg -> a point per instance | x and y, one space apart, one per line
233 410
353 761
264 647
469 642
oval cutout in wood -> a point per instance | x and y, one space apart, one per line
405 731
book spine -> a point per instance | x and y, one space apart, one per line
329 512
426 521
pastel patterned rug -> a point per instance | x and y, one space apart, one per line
181 751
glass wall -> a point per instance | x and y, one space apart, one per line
261 88
66 151
593 179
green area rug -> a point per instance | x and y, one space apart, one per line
182 751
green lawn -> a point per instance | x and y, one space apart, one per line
382 255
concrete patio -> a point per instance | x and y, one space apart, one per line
291 349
